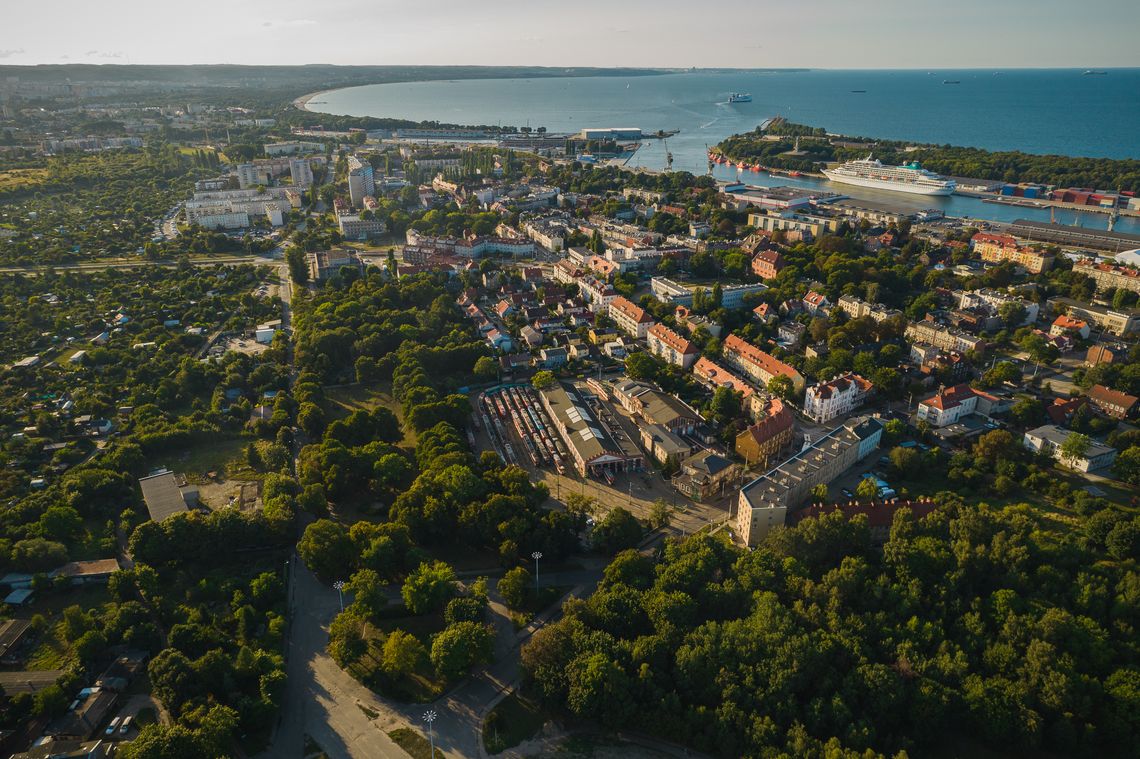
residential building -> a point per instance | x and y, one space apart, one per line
663 445
553 358
764 503
325 263
1102 354
1109 276
930 332
1050 438
597 294
708 372
671 347
1121 322
949 405
767 264
999 248
630 318
705 476
857 309
301 172
994 301
655 406
361 181
1067 325
593 450
771 435
804 224
759 366
836 397
731 296
1112 402
353 227
816 303
249 175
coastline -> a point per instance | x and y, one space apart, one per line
302 103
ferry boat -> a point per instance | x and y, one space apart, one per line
740 97
910 178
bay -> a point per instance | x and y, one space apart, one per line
1034 110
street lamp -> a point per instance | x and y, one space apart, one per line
339 585
429 717
536 556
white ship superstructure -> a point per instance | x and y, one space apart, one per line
911 177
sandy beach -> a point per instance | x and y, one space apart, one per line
302 103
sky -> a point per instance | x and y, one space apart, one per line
639 33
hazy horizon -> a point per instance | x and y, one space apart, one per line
734 34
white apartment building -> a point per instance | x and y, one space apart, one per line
827 400
630 317
249 175
361 181
301 173
671 347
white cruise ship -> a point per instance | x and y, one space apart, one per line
910 178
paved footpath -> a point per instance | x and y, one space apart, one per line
324 701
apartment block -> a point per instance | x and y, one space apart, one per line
764 503
669 346
757 365
827 400
1001 248
630 317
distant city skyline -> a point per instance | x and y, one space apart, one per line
636 33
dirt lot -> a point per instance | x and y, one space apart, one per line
244 345
222 493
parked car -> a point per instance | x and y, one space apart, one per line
113 726
123 728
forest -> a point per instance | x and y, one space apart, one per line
973 627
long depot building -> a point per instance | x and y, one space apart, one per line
594 451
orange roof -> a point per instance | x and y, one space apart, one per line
1006 241
777 420
768 363
629 309
841 385
1112 397
951 397
1065 321
672 339
712 373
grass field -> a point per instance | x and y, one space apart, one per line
342 401
21 179
53 651
512 721
226 457
414 744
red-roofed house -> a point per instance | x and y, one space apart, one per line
836 397
764 312
761 367
767 264
630 317
815 302
950 404
1061 411
1067 325
763 442
1112 402
714 376
668 345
